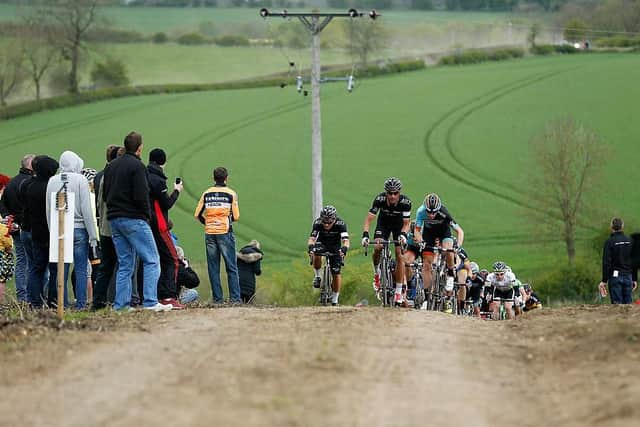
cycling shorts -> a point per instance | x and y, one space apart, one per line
474 294
503 294
415 250
335 262
387 232
429 235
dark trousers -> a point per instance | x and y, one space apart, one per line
168 264
620 289
105 271
37 283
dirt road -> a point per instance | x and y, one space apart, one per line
330 366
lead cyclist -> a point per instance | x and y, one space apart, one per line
502 282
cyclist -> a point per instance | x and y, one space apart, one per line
475 283
532 301
502 282
394 214
519 295
434 223
330 232
463 272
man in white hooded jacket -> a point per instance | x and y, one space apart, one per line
84 232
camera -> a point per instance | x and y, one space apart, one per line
94 253
178 180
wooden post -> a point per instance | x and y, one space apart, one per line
61 204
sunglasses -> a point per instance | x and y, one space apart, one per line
393 193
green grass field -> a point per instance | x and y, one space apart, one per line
458 131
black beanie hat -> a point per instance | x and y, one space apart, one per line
157 155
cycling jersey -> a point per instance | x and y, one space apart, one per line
475 288
507 281
390 217
331 238
438 227
217 209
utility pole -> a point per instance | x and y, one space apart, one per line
315 25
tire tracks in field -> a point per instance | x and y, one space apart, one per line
483 101
51 130
213 136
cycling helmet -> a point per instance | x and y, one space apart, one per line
499 267
483 273
88 173
328 214
432 203
475 268
392 184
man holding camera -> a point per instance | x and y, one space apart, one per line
161 202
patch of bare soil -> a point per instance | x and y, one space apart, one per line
322 366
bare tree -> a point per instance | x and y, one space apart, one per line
73 19
568 160
11 70
38 47
364 38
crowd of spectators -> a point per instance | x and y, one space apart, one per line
124 251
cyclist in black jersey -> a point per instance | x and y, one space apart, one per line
330 232
393 211
475 285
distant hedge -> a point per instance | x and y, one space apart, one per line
618 41
30 107
475 56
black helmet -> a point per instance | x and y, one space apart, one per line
328 214
432 203
392 184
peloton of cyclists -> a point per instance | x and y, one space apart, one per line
433 224
329 231
393 211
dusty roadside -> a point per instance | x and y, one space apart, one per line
320 366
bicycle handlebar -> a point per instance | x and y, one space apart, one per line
403 248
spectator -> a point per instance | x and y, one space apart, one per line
14 206
249 260
35 214
108 260
6 259
617 266
187 279
217 209
161 202
4 180
126 192
84 230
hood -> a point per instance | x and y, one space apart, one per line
45 168
71 162
249 254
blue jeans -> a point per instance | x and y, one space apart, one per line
224 244
22 267
80 261
130 237
620 289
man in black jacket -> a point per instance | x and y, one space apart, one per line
617 268
126 191
161 202
15 207
35 213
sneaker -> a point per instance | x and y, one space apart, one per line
159 307
397 298
316 282
447 307
174 303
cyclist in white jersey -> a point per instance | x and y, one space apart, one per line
502 282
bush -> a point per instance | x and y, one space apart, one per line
566 48
192 39
542 49
618 41
159 38
231 40
570 284
111 72
110 35
475 56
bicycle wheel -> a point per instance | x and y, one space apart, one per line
420 295
325 287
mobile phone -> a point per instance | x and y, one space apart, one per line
178 180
